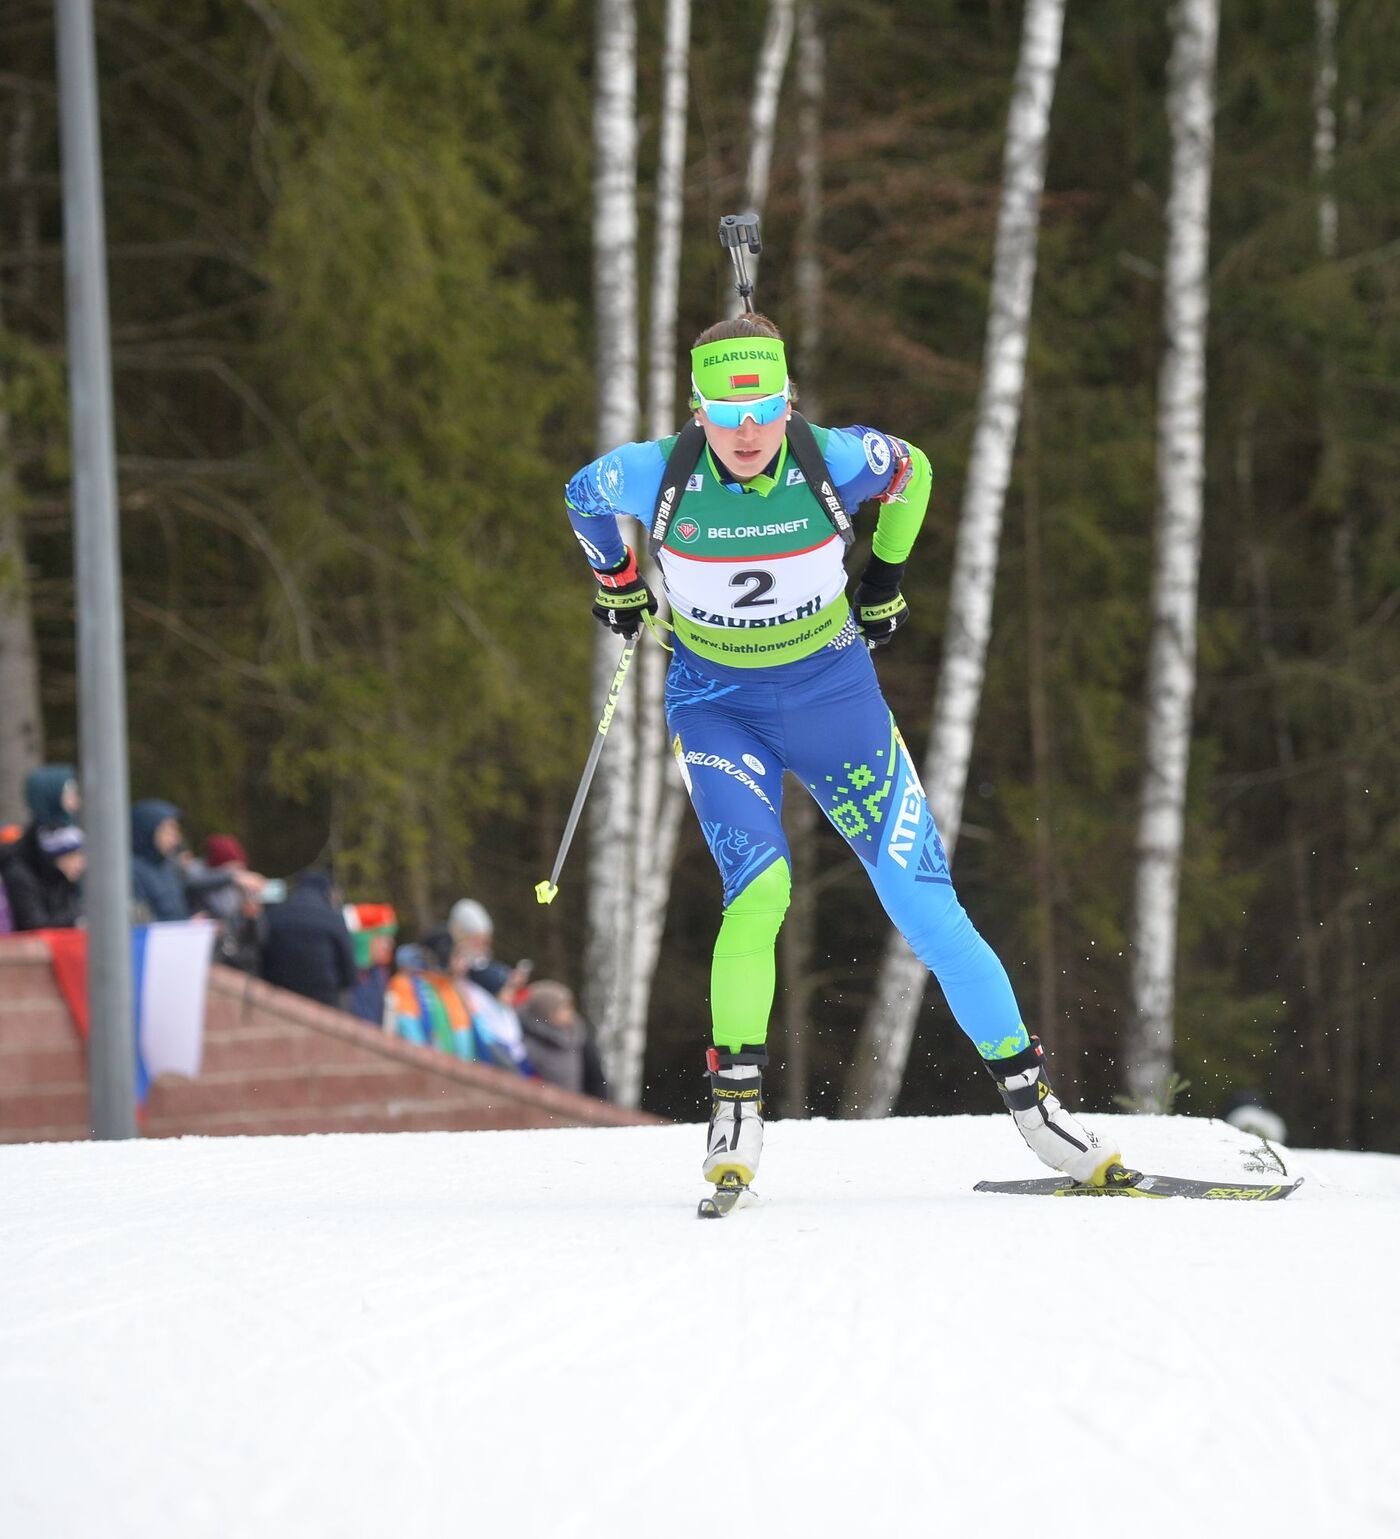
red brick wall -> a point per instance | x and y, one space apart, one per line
43 1067
273 1063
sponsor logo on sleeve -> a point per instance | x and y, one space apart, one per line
610 477
877 452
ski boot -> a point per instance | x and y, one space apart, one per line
735 1139
1059 1140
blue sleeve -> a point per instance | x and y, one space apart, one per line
862 461
626 480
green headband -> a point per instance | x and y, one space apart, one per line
739 366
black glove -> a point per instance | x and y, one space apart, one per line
879 605
622 598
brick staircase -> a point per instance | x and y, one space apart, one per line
273 1063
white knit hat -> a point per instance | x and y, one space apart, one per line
469 918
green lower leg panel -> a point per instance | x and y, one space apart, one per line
742 977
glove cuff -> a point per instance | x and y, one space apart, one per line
622 576
882 577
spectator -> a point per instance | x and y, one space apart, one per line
157 877
308 947
372 929
51 793
497 1025
222 886
558 1040
43 875
422 1006
472 931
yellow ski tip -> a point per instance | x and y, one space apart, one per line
545 892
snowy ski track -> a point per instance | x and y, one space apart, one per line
530 1334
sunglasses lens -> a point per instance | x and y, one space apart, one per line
731 414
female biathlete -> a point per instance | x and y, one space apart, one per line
772 672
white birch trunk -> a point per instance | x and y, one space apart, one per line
612 798
660 795
1325 126
798 939
1171 665
763 119
888 1028
807 260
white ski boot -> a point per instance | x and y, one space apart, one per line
1059 1140
735 1139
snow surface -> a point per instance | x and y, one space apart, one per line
531 1334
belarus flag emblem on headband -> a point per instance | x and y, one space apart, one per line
743 382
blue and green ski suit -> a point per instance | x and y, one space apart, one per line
770 674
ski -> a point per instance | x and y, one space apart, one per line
1134 1183
730 1192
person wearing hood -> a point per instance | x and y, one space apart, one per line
157 880
51 794
44 896
308 948
558 1040
43 877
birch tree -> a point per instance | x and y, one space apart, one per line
1325 126
1171 665
773 55
660 795
612 798
797 938
888 1028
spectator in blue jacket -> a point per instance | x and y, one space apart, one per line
157 878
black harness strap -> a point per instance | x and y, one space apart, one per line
803 442
685 456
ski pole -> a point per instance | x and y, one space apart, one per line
546 892
737 231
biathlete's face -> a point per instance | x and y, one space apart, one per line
746 450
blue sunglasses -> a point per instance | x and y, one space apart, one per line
731 414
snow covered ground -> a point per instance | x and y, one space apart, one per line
531 1334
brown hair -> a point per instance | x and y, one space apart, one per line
750 325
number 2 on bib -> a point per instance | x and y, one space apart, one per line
762 582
